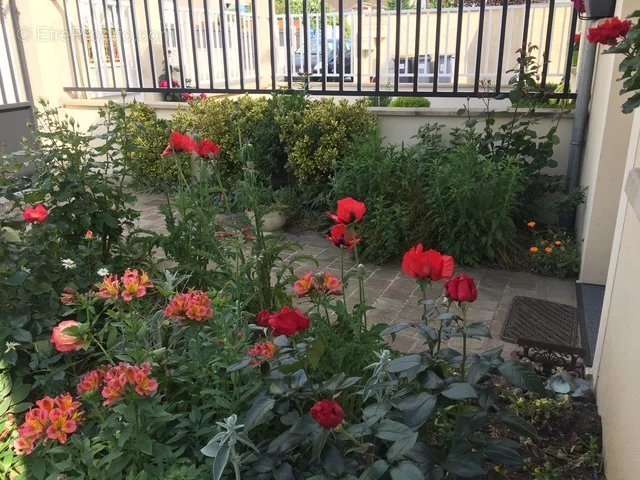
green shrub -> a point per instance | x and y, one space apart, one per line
227 122
148 136
390 181
323 136
473 199
410 102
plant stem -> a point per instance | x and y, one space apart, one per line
363 299
463 307
101 347
344 283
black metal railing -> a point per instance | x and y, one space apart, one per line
15 89
436 48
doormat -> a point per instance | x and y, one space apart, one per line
541 321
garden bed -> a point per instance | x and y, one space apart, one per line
227 359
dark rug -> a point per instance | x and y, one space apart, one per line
542 321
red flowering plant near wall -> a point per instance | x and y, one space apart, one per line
622 36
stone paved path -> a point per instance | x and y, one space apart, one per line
395 297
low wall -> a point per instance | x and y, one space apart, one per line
397 125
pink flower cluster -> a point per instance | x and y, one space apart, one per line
114 382
133 284
194 305
51 419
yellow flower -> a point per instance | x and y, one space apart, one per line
534 250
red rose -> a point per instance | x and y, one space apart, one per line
37 214
342 236
609 31
349 211
461 289
262 319
164 84
179 142
207 149
328 413
424 264
289 322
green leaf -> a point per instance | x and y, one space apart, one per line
401 447
404 363
504 452
211 449
464 465
373 413
460 391
256 415
392 430
375 471
220 462
518 425
406 471
316 352
521 376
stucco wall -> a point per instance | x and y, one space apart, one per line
400 125
603 164
616 373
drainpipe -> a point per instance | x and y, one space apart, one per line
581 114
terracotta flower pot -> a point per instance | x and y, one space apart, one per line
599 8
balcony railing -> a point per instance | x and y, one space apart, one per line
252 46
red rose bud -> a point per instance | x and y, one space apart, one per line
328 413
262 319
461 289
37 214
349 210
289 322
342 236
424 264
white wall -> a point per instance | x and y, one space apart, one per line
603 164
615 366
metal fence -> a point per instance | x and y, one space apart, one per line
346 47
15 91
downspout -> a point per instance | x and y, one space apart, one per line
581 114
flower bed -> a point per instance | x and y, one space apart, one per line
215 359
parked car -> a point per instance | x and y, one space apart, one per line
332 61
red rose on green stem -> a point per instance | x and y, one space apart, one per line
289 321
349 211
342 236
208 149
424 264
328 413
461 289
180 142
609 31
37 214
